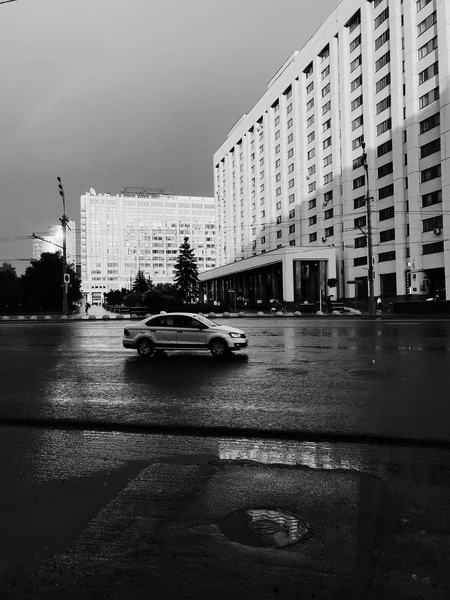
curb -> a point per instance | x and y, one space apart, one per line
226 315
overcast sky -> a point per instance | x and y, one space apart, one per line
113 93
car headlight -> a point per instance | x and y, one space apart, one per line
235 335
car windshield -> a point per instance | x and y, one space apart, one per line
206 321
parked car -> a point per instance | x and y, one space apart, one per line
180 331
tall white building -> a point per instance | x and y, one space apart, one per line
290 179
53 241
141 229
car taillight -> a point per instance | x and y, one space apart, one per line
126 332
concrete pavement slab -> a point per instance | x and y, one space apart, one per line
163 533
378 518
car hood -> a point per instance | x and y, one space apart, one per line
227 328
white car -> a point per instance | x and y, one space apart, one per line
180 331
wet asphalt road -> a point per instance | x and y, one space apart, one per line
338 377
106 514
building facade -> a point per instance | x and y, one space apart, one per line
140 230
291 172
53 242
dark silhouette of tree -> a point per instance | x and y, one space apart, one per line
43 280
161 294
141 284
115 297
9 287
186 273
132 299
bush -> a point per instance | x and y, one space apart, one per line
132 299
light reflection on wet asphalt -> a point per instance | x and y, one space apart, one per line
335 376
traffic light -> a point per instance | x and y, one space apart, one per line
60 187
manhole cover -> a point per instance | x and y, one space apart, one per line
264 527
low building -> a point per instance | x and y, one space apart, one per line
292 275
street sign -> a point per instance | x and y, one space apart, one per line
351 281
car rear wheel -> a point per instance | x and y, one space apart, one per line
218 347
145 347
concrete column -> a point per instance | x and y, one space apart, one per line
297 280
288 278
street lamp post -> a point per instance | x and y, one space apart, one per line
371 272
66 277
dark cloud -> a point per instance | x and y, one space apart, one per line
107 93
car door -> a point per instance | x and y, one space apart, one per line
161 329
190 332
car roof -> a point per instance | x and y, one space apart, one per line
171 314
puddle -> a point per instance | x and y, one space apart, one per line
264 527
368 373
288 370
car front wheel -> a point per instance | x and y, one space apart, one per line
145 347
218 347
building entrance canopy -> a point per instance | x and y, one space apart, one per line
288 274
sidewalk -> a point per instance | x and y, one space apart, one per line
97 311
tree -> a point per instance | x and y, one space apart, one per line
9 287
115 297
43 280
132 299
141 284
186 273
161 294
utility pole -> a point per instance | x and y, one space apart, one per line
371 271
66 277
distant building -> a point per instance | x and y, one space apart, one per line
54 242
290 178
141 229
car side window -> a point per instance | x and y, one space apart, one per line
185 322
163 321
198 324
181 322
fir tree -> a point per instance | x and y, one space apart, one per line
141 284
186 273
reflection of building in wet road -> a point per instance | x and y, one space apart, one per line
388 462
264 527
290 172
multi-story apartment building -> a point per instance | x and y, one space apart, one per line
53 242
291 179
141 229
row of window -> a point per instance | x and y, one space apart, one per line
429 72
328 214
388 190
328 232
382 257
